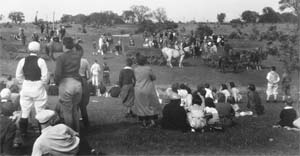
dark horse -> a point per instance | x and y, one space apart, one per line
231 61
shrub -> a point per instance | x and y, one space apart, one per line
234 35
203 30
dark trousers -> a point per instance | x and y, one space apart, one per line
84 102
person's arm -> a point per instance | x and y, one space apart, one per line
37 149
134 79
19 71
121 79
152 76
44 70
58 70
87 70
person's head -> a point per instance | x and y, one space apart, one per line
231 100
105 64
96 61
231 84
6 109
34 47
221 97
273 68
47 117
206 85
68 43
289 102
129 62
5 93
209 102
251 87
214 90
175 87
223 86
185 86
9 78
141 60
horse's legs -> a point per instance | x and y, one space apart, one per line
170 62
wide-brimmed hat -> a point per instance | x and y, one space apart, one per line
44 115
34 46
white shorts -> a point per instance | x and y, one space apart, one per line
272 89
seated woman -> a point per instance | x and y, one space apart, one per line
254 101
186 97
235 92
225 111
287 115
174 116
211 111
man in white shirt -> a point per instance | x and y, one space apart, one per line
101 42
55 139
95 71
32 72
272 86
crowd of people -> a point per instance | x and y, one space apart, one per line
176 108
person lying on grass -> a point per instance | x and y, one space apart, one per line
287 116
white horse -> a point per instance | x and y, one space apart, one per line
170 53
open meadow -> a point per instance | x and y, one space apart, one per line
113 134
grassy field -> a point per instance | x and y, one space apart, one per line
113 134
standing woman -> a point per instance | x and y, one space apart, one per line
127 82
146 104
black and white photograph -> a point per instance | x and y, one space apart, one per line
149 77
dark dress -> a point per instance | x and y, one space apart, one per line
287 117
254 102
127 82
174 116
7 134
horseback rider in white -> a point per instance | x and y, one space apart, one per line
101 43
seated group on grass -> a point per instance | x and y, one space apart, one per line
211 110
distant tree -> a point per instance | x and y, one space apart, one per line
107 18
236 21
141 12
203 30
1 17
288 17
221 17
294 5
269 16
128 16
66 18
80 19
160 15
250 16
16 17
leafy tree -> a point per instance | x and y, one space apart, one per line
1 17
250 16
203 30
16 17
66 18
294 5
80 19
236 21
141 12
160 15
288 17
221 17
128 16
269 16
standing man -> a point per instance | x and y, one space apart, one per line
69 81
84 72
101 42
32 72
272 88
42 28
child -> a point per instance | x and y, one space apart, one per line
95 70
114 91
185 94
225 91
288 115
235 92
254 101
208 91
118 47
94 48
196 115
210 110
106 70
102 90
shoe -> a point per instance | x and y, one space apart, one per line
267 101
275 101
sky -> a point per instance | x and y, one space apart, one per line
177 10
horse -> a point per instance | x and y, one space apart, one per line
169 53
